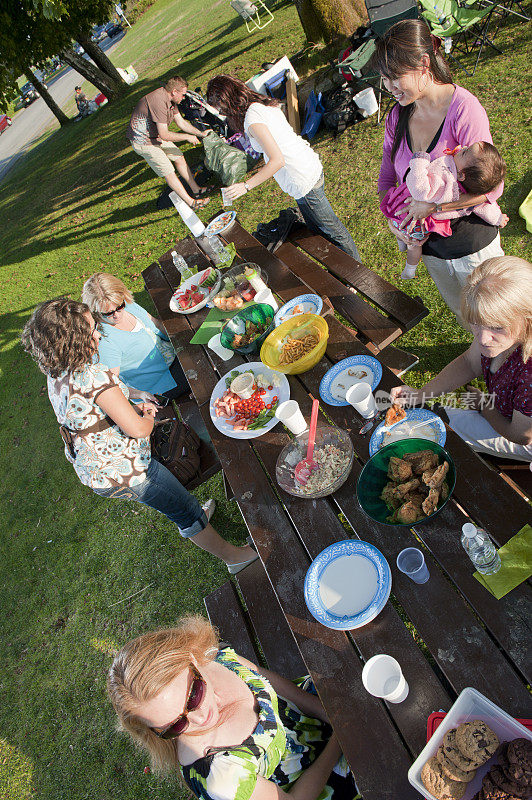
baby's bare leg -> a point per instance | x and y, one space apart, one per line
413 257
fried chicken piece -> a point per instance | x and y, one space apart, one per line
403 489
444 490
394 414
409 512
422 461
430 503
399 470
388 495
435 478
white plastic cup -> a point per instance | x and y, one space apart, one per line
411 561
225 199
221 351
361 398
367 101
266 296
290 415
382 677
243 385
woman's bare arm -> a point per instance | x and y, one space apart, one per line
119 409
262 134
458 373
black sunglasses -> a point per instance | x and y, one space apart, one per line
114 311
194 700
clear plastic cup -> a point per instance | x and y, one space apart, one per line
225 199
290 415
266 296
411 561
361 398
223 352
382 677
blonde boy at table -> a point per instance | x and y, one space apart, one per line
497 305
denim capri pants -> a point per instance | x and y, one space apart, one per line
161 490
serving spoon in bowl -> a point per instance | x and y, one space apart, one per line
307 465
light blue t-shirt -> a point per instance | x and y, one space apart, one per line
135 353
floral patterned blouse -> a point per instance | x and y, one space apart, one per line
511 384
107 458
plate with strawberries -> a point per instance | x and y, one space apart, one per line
251 412
196 291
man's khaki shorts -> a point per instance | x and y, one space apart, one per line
159 157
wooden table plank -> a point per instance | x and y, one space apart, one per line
225 612
408 311
328 654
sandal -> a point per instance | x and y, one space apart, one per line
197 204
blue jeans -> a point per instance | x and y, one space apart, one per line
161 490
319 215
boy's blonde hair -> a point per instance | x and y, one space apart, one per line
101 289
145 666
498 294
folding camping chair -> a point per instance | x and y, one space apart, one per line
382 15
455 22
251 14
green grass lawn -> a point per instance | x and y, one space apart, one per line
80 575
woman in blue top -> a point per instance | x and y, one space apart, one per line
134 345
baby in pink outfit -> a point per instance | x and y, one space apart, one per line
476 169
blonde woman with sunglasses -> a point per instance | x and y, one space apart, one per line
134 345
230 729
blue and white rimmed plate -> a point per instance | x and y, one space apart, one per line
347 585
303 304
346 373
220 223
434 430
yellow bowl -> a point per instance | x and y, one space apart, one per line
296 327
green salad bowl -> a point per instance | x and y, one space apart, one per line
257 314
374 478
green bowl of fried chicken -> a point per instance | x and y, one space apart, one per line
406 482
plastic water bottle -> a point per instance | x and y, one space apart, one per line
219 253
442 16
181 265
480 549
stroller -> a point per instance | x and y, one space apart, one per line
196 110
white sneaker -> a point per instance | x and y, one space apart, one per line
208 508
409 272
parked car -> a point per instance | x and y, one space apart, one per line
98 33
28 94
112 29
5 122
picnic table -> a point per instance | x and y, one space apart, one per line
448 633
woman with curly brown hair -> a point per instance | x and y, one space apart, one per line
233 730
107 439
288 158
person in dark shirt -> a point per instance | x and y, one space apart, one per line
150 138
497 305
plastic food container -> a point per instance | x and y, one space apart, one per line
236 288
258 314
296 450
470 705
296 328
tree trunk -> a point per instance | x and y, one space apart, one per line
104 83
327 19
102 61
46 96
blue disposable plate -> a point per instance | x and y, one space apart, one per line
331 391
412 415
310 304
220 223
371 567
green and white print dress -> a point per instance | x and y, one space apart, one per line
284 743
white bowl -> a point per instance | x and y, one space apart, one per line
469 705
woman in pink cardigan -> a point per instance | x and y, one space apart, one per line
477 169
432 115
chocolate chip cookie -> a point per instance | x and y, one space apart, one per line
520 768
476 741
455 755
451 769
490 791
438 783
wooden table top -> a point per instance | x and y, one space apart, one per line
448 633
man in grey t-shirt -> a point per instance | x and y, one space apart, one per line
150 138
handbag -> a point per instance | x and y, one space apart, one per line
176 446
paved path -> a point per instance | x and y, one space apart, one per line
30 123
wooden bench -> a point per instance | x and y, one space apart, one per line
516 473
254 624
